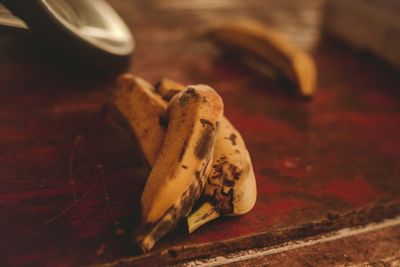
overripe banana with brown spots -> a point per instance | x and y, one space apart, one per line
183 163
261 47
139 110
231 185
244 190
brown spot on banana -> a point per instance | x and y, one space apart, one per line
223 201
232 138
235 171
218 167
228 183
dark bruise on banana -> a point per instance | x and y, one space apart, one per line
206 141
179 174
220 195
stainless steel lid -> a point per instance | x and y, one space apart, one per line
90 29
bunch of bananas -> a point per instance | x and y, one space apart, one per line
193 151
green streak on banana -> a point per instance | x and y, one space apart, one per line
139 110
261 47
177 178
231 185
206 213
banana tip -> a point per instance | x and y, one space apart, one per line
145 244
204 214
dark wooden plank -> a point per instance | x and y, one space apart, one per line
376 248
70 183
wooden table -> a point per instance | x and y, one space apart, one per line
70 183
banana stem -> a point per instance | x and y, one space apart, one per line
202 215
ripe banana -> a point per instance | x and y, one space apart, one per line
139 110
179 173
231 185
261 47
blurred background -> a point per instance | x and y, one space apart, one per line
371 26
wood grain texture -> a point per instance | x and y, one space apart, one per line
70 183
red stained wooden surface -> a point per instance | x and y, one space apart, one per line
70 183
